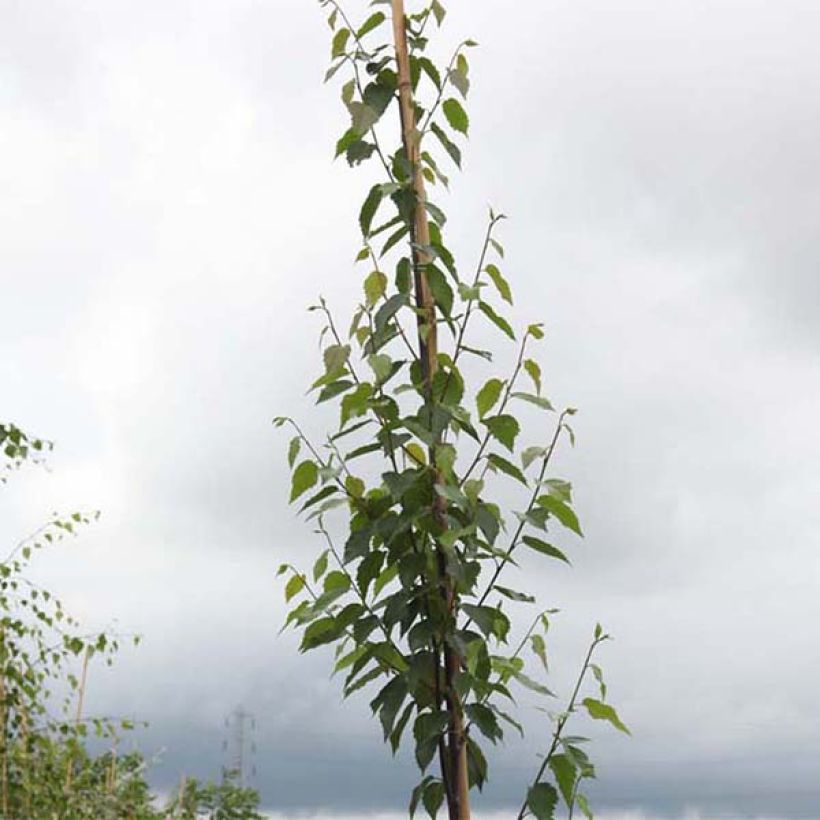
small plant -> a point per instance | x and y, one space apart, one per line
411 594
44 660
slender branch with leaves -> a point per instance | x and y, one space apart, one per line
414 605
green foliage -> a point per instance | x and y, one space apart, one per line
44 657
226 800
408 488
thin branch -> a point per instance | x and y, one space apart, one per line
562 721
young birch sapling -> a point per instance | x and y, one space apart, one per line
411 595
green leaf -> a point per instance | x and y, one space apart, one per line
452 149
339 42
564 769
333 389
505 428
456 115
534 371
484 717
337 581
382 366
559 488
501 284
536 331
603 711
538 401
438 11
426 730
488 396
544 548
561 511
324 493
335 358
369 208
294 586
441 291
293 450
375 286
320 632
355 404
453 494
362 117
539 646
599 676
304 477
514 595
583 804
460 81
530 454
429 68
433 797
506 467
389 309
372 22
320 567
497 320
541 801
490 620
532 685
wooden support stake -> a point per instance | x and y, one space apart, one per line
456 773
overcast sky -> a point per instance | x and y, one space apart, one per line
168 207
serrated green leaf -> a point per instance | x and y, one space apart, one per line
530 454
438 10
534 372
294 586
335 358
501 284
497 320
539 646
544 548
339 42
375 286
451 148
460 81
293 450
538 401
514 595
372 22
603 711
504 428
304 477
563 767
362 117
506 467
369 208
456 115
561 511
541 801
320 566
561 489
488 396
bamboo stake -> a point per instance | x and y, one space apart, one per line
455 771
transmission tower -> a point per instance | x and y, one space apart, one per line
240 747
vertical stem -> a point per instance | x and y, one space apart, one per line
26 758
454 775
79 714
4 769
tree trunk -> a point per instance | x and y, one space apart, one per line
454 769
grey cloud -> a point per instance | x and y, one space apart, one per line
657 162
